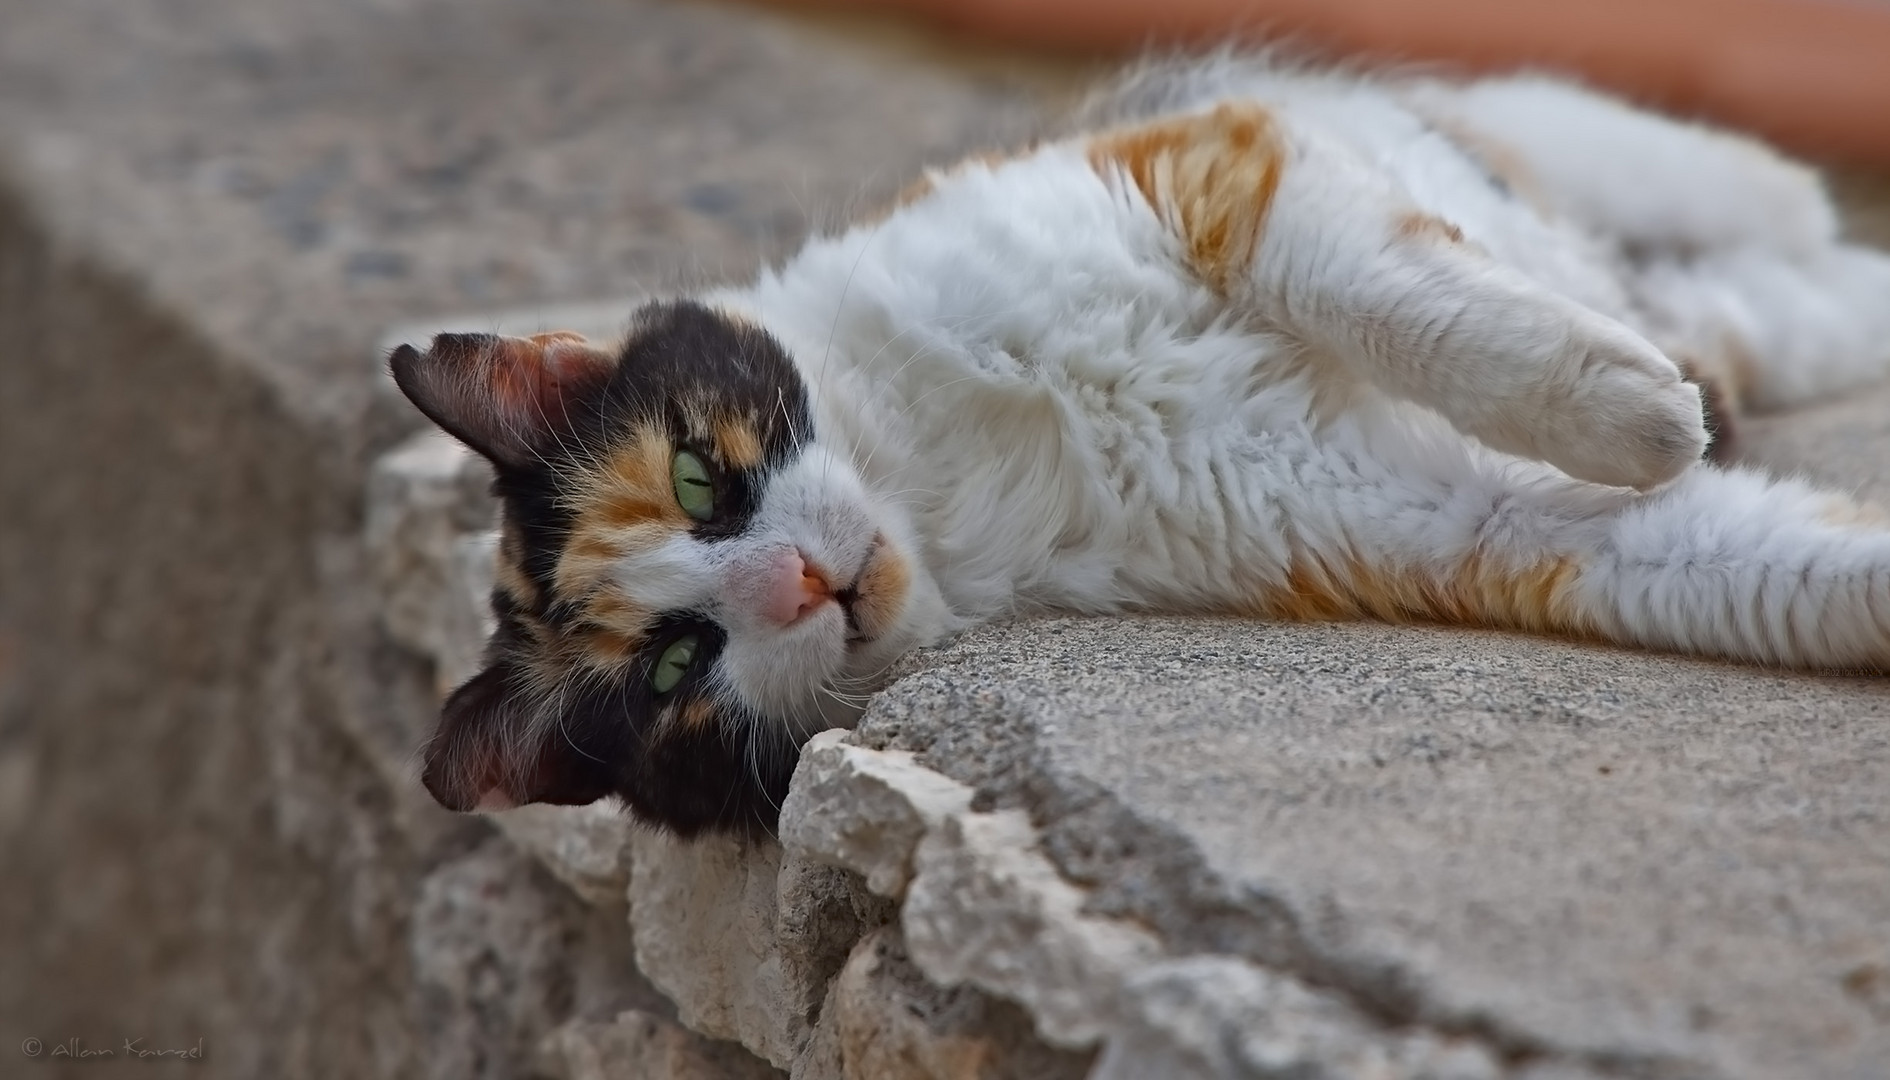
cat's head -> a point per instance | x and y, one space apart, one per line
689 582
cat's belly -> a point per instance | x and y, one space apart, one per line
1113 481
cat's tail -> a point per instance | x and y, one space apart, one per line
1719 563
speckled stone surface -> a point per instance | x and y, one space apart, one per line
1586 857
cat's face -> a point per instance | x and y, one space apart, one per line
689 582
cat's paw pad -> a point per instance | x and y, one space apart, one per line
1626 416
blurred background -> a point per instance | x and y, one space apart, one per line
211 211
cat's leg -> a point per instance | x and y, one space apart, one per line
1652 183
1303 234
1740 267
1718 563
1774 331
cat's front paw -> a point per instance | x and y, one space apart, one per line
1625 416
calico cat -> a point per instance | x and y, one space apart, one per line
1253 340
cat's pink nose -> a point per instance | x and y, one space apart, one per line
795 589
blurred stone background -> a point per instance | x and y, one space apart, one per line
211 212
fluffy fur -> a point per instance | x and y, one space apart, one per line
1250 340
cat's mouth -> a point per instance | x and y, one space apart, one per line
877 594
849 599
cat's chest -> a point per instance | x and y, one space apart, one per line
1101 389
1036 470
1059 427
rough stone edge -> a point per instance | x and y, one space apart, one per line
982 905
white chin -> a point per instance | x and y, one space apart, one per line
780 672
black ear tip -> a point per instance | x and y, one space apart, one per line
401 362
447 789
445 348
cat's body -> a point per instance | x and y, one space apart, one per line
1289 345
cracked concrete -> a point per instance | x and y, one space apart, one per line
1124 848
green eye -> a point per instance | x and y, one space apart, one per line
695 493
673 664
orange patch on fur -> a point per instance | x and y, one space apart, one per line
634 485
508 573
587 556
514 582
606 648
1417 225
625 502
1210 177
737 444
609 608
592 544
881 590
1537 598
697 713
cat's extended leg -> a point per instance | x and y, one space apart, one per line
1774 331
1719 563
1653 183
1740 267
1300 232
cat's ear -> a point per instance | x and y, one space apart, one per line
489 753
506 397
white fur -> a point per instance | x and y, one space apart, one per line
1019 379
815 506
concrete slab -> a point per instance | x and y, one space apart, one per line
1637 864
